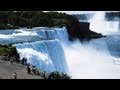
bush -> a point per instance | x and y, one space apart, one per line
32 19
57 75
8 50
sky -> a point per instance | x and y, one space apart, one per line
76 12
81 12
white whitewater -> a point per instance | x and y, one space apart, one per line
100 25
41 46
98 58
92 60
46 55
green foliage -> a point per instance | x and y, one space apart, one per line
4 49
8 50
57 75
10 19
7 26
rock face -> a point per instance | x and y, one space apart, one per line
80 30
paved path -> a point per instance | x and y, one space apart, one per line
7 69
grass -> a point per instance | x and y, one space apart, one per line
5 49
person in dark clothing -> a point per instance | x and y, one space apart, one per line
34 70
28 69
11 61
44 74
21 61
25 61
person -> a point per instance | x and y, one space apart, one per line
25 61
28 69
22 61
11 61
44 74
15 75
34 69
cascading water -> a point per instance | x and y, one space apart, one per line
46 55
41 46
54 33
98 58
49 48
100 25
110 28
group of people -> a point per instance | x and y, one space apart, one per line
23 61
11 59
32 69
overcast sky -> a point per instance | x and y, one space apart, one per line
82 12
76 12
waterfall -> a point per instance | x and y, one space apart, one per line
49 49
54 33
85 60
35 34
42 46
99 24
46 55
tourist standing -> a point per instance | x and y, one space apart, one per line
15 75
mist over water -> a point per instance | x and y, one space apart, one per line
99 58
88 61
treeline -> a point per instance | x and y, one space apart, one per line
32 19
112 16
29 19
